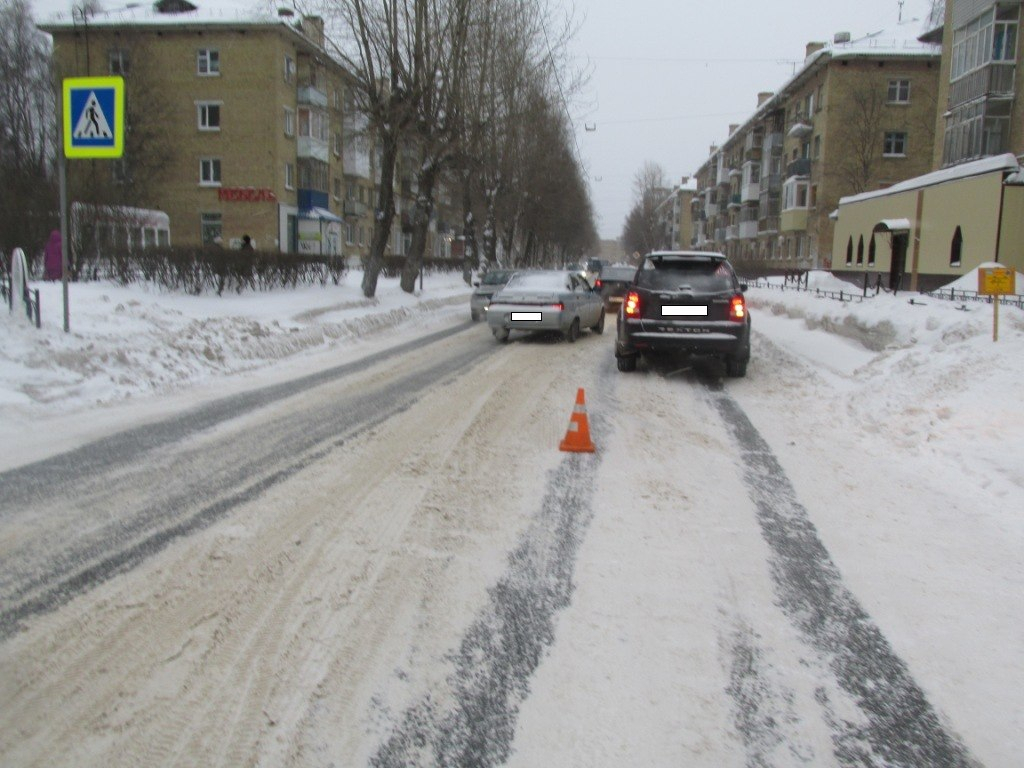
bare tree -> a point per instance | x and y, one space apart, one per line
640 231
27 140
860 133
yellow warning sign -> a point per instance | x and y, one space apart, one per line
996 281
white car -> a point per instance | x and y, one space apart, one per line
546 300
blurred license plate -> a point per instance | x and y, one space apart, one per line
526 315
675 311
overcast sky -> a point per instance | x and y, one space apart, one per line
667 77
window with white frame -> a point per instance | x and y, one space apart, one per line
313 123
289 122
211 227
208 62
289 176
794 193
991 37
289 69
899 91
895 144
208 113
209 172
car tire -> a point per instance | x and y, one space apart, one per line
626 364
599 328
501 334
574 330
736 367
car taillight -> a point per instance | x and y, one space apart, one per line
558 307
597 283
737 308
632 305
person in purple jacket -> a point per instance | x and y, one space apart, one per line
52 261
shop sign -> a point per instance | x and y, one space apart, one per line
246 195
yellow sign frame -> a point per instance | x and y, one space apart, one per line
72 150
996 281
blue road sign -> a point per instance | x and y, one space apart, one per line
93 117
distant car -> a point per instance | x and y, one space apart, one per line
491 282
546 300
591 270
686 302
614 282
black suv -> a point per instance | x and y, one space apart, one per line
685 301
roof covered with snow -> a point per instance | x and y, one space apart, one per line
149 14
992 164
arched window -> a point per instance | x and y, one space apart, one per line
956 248
860 250
871 251
849 251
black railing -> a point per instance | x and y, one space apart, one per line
31 300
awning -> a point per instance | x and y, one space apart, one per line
320 214
893 225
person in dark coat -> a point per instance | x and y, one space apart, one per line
246 243
52 269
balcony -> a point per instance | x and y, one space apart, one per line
355 209
794 220
991 80
311 95
768 225
308 147
772 142
751 192
748 230
732 232
800 129
734 200
720 235
801 167
711 209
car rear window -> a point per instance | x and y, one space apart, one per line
496 278
543 281
618 273
678 274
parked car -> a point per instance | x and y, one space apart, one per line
490 283
546 300
685 302
614 282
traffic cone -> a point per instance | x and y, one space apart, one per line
577 437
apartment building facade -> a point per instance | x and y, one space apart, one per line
674 216
254 115
857 115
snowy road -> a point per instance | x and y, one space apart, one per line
391 564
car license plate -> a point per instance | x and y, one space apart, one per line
677 311
527 316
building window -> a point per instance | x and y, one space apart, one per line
314 124
895 144
209 172
956 248
1004 41
899 91
118 61
849 251
860 250
289 176
289 69
794 194
337 188
871 252
208 62
209 115
817 147
289 122
991 37
350 233
337 144
211 228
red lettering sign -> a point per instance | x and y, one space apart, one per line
246 195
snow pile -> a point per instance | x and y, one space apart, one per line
923 372
126 342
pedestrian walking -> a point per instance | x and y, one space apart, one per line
52 259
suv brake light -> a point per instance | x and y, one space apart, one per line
597 283
737 308
632 305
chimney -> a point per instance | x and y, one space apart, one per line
733 127
313 28
763 96
841 37
813 48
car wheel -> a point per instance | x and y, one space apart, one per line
599 328
501 334
736 367
574 330
626 364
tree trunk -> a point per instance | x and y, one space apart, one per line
383 216
420 224
471 259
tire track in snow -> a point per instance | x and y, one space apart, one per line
900 727
504 646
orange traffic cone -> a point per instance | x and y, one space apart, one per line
577 437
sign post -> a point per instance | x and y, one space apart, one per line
995 282
92 127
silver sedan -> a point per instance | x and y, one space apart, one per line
546 300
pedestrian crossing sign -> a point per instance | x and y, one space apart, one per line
93 117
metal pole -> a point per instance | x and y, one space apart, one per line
62 166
